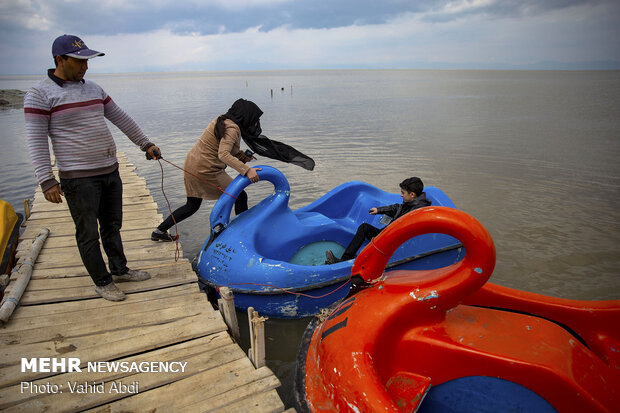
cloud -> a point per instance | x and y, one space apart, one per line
497 9
22 14
402 42
204 16
148 35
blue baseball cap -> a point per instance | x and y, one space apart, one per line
73 46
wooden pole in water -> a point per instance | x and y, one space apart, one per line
227 308
257 338
23 276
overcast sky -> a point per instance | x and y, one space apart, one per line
165 35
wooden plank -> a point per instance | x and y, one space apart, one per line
45 218
167 268
226 305
130 202
55 241
80 271
199 354
80 346
165 275
174 396
164 252
127 175
135 260
117 344
45 207
219 396
66 319
232 400
88 290
154 252
60 229
52 254
257 337
40 204
70 327
130 180
165 318
58 309
136 191
268 402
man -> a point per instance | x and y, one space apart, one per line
411 189
71 111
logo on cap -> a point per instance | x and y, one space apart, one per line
79 44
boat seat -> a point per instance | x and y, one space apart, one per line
314 219
359 211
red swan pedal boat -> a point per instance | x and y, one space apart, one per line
446 340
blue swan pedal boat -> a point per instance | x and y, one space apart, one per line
272 257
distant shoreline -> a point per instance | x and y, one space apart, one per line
607 66
11 98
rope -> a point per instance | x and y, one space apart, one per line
177 251
176 237
199 178
284 290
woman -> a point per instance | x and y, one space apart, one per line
217 147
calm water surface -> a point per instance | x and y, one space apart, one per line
532 155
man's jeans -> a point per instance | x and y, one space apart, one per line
92 199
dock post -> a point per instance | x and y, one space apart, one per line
26 210
226 305
257 338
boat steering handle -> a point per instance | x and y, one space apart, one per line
222 209
460 279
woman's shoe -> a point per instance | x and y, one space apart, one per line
162 236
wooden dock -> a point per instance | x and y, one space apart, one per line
165 321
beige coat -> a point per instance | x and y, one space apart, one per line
208 160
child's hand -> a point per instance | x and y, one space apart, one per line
373 211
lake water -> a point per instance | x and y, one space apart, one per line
532 155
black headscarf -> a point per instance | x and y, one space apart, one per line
246 115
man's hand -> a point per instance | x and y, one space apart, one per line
153 152
373 211
54 194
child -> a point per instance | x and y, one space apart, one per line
411 189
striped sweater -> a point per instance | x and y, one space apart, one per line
72 115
